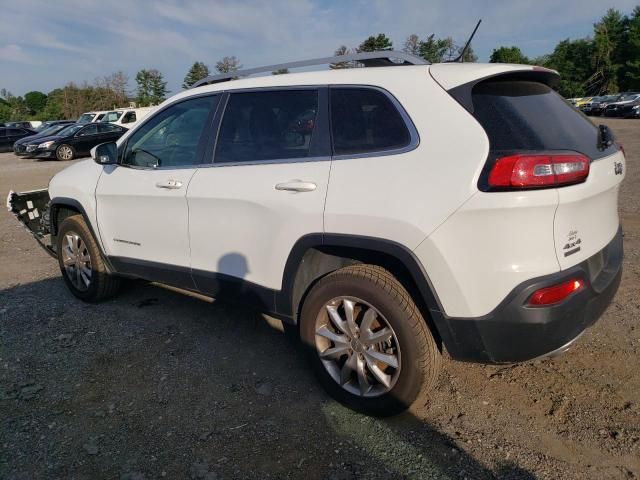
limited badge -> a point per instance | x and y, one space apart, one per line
617 168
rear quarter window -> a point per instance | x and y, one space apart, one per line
530 116
365 120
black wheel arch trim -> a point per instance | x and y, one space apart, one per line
61 202
287 300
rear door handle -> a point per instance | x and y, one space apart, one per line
296 186
170 184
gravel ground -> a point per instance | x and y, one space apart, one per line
156 384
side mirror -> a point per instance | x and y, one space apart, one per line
105 153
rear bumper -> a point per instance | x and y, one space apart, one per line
514 332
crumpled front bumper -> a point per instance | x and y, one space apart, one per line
32 211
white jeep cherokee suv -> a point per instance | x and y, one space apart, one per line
390 213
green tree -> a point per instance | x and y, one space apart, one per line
435 50
376 43
198 71
143 81
508 55
469 55
632 73
609 44
152 89
36 101
572 59
228 64
158 87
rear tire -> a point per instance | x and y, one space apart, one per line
65 152
381 366
81 263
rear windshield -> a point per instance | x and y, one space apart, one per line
521 115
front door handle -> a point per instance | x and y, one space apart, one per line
170 184
296 186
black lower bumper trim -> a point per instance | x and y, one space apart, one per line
514 332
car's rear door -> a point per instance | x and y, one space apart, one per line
141 203
265 189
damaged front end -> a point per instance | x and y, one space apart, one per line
32 210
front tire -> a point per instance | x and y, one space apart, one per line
81 263
65 152
367 341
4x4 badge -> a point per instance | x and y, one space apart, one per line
617 168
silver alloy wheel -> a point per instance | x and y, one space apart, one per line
357 346
65 152
76 261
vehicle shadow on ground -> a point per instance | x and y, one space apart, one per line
156 383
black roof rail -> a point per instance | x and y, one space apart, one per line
384 58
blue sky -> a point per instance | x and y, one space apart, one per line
44 45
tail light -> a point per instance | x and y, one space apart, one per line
539 170
556 293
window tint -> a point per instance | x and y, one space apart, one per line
107 128
365 120
520 115
129 117
89 130
268 125
171 138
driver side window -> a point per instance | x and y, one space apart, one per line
89 130
171 138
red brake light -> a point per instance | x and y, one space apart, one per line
556 293
525 170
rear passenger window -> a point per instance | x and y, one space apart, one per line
269 125
364 120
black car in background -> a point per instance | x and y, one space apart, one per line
74 141
596 105
51 123
9 135
19 125
20 146
617 108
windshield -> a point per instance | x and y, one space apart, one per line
530 116
86 117
51 130
626 98
112 116
70 130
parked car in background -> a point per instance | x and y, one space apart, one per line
127 117
582 101
74 141
597 104
89 117
22 124
50 123
20 146
8 135
630 110
616 108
